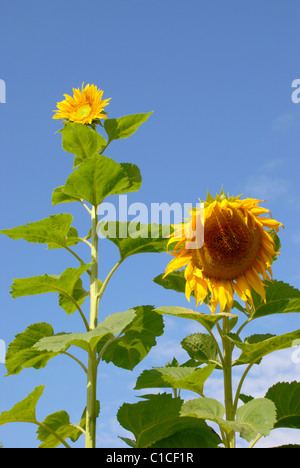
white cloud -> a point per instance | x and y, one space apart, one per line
284 122
266 187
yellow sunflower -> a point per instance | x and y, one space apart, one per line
84 107
229 254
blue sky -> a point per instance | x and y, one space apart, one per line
218 77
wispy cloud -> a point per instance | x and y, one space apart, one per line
285 122
266 187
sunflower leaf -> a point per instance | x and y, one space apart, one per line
124 127
81 140
281 298
156 422
67 285
24 411
133 238
201 347
255 417
137 338
113 325
255 349
286 397
21 352
208 321
55 231
95 179
186 378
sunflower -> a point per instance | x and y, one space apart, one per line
84 107
230 253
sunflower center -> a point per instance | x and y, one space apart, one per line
83 110
230 244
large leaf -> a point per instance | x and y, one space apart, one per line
24 411
21 352
207 320
124 127
254 350
256 417
56 231
82 141
201 347
137 339
286 397
111 326
68 285
155 420
95 179
133 238
186 378
281 298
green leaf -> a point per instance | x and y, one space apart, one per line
186 378
58 196
112 325
82 141
157 419
67 285
124 127
95 179
281 298
24 411
208 321
56 231
134 178
201 347
58 422
254 350
137 339
256 417
133 238
174 280
286 397
21 352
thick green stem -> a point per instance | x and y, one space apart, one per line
227 372
91 414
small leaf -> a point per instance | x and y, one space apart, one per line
137 339
56 231
66 285
124 127
24 411
21 352
186 378
134 238
134 178
81 140
286 397
201 347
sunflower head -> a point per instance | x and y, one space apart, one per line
225 248
86 105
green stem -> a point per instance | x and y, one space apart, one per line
227 373
91 414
